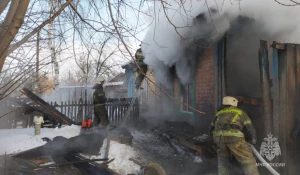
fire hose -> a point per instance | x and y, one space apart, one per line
262 160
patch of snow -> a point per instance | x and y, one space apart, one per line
197 159
201 138
18 140
122 153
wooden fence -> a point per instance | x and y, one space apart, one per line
75 110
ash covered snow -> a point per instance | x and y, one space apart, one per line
151 143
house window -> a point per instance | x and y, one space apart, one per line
186 97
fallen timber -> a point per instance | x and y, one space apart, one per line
48 108
48 116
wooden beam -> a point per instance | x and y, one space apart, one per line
275 92
278 46
290 118
54 112
265 85
246 100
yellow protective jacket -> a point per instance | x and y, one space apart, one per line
99 98
229 123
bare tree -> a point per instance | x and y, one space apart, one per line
96 34
13 35
11 25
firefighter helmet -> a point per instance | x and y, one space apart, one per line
228 100
99 80
139 54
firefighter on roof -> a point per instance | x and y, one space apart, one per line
227 132
143 68
99 100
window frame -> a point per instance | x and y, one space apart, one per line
189 99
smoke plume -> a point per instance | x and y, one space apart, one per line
181 30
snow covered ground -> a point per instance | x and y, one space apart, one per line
146 147
17 140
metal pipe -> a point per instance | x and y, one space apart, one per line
262 160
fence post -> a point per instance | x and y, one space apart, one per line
61 107
69 109
80 110
137 109
66 109
72 110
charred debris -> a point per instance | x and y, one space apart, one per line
64 156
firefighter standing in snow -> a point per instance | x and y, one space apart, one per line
226 129
143 66
99 100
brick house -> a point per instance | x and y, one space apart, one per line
213 79
199 94
264 77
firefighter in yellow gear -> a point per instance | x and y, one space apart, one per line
143 68
99 100
227 132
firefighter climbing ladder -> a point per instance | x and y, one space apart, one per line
131 105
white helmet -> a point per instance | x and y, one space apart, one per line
99 80
228 100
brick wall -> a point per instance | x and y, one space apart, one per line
205 90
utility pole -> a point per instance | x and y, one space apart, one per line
37 86
53 7
85 91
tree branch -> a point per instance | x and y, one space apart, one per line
3 5
37 29
13 29
9 16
